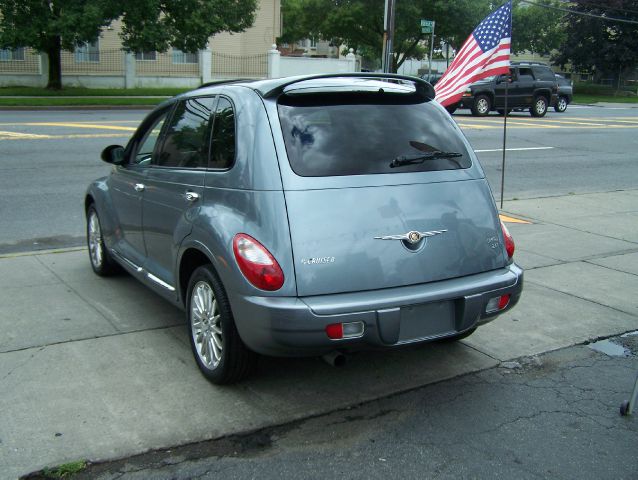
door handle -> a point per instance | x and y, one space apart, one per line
139 187
191 196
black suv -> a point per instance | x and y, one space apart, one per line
532 86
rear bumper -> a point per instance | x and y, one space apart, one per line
295 326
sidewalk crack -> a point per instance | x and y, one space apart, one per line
31 357
90 304
580 298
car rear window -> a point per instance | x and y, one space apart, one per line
363 133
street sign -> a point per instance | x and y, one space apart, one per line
427 26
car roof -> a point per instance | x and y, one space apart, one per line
353 82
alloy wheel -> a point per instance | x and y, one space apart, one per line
206 327
95 240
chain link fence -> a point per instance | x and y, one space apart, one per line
172 64
235 66
19 60
98 62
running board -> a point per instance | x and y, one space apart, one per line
139 269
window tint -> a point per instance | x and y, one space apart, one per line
525 75
186 141
223 145
145 152
544 74
361 133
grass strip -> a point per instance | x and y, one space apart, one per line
74 101
90 92
582 98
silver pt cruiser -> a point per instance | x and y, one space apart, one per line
305 216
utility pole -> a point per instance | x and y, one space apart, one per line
388 36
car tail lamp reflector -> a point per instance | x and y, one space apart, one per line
337 331
509 241
496 304
256 263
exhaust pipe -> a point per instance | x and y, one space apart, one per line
334 359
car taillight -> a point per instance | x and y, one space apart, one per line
509 241
257 264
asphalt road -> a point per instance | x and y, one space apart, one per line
48 158
553 416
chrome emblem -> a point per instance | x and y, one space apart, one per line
412 237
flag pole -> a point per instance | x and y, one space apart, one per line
507 82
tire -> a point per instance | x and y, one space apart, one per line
101 260
561 104
539 107
460 336
219 352
452 108
482 106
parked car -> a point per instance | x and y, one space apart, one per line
532 86
305 216
432 78
565 93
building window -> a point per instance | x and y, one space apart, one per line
11 54
184 57
146 56
87 52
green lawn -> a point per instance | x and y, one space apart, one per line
584 98
89 92
34 97
74 101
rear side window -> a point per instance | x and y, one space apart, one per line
186 141
223 143
364 133
544 74
525 74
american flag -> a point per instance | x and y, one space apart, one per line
486 52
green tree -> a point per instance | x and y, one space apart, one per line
537 28
607 47
359 23
52 25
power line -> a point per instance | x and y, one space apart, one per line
584 14
596 5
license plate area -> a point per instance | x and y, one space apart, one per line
427 320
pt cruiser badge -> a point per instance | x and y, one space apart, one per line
412 237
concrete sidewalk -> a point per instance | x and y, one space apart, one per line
94 368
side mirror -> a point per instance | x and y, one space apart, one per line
113 154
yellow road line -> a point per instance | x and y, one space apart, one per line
507 219
19 135
517 121
27 136
83 122
569 122
80 125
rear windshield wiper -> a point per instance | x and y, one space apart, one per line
422 157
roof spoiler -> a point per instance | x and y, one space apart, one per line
223 82
422 87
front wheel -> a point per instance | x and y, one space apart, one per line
561 105
101 260
482 106
539 107
219 351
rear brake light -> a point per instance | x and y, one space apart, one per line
496 304
509 241
257 264
337 331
